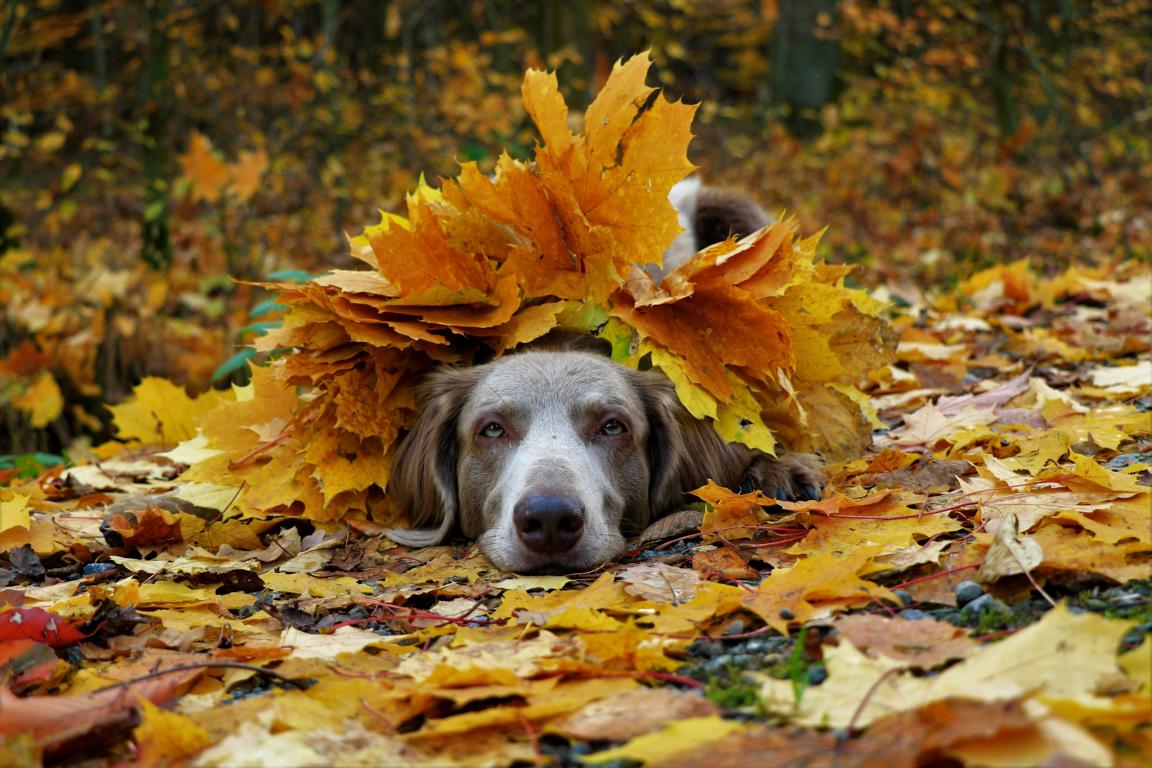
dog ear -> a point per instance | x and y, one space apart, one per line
666 451
423 480
684 453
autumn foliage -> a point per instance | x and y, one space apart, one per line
215 584
747 330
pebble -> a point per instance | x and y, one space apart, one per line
777 643
1096 604
706 648
757 645
735 627
913 614
905 597
817 674
1128 601
93 568
967 591
717 663
983 604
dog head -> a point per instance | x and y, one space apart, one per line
548 459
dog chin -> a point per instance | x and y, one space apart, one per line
513 557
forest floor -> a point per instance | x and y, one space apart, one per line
973 588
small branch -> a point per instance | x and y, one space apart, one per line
868 696
286 681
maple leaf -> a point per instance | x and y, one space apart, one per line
162 412
489 263
1037 662
246 172
204 169
814 586
42 400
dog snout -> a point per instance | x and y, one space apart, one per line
549 523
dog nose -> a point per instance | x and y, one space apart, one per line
547 523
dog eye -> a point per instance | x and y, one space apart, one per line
492 430
613 427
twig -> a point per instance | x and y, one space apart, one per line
287 681
526 724
867 696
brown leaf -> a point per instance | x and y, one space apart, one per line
764 747
924 643
922 736
629 714
724 563
53 719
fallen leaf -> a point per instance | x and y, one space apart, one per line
669 741
629 714
790 596
923 643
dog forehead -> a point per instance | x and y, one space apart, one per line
546 380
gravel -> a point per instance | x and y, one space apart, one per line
967 591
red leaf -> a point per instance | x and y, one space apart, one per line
39 625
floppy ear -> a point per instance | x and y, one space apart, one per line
423 479
666 450
684 453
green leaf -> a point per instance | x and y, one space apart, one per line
233 364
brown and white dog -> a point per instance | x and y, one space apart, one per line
550 459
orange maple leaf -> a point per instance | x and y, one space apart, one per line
204 169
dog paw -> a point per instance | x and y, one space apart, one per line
787 477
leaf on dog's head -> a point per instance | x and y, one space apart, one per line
483 263
487 263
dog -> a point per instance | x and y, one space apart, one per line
550 459
708 215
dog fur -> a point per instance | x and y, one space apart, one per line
551 459
708 215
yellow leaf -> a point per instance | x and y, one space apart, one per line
245 173
204 169
1064 654
344 640
14 512
693 397
814 585
161 412
42 400
740 420
162 593
731 515
1091 474
307 585
71 175
1137 663
546 107
163 736
674 738
50 142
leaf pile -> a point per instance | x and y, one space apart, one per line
755 334
906 619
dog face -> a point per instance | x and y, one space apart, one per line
552 461
548 459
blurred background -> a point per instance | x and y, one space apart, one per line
152 149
